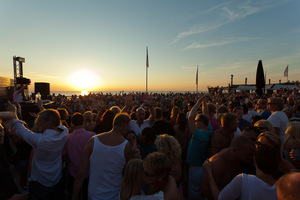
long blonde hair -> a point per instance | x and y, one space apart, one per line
170 146
292 132
132 180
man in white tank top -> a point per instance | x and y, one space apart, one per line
106 155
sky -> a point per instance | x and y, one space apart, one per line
100 45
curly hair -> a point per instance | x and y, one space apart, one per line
170 146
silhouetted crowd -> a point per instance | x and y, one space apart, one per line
153 146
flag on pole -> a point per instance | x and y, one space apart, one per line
286 71
197 76
147 60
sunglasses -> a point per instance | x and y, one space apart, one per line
261 128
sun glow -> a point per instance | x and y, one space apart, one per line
84 80
84 93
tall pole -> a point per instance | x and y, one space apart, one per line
197 80
287 77
147 80
147 66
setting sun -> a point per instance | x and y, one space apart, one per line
84 93
84 80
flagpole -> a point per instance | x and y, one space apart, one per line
286 73
264 91
147 80
147 65
197 80
287 77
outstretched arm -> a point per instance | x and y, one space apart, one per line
128 103
149 103
193 114
205 107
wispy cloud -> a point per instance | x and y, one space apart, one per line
243 10
197 29
225 13
219 43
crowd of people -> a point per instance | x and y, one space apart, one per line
153 146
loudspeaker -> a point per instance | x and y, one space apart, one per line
43 89
26 108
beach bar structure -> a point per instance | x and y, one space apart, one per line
269 88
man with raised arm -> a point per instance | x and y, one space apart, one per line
197 150
48 143
140 123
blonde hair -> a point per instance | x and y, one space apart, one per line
273 139
158 162
170 146
88 117
132 180
292 132
264 124
115 109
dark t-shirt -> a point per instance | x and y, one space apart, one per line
163 127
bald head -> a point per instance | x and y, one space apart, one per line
288 186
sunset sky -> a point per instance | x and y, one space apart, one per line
100 45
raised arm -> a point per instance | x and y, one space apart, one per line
149 103
128 103
193 114
205 107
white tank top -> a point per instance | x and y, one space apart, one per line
106 166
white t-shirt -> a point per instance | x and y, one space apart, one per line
279 120
248 187
249 115
48 147
138 129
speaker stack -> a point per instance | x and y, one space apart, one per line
43 89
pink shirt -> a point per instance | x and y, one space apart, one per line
215 124
74 148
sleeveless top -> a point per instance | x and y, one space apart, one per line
106 166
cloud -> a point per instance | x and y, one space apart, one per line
223 14
197 29
213 44
243 10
